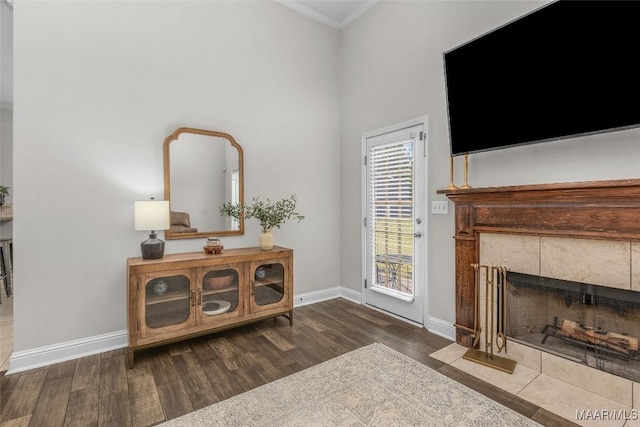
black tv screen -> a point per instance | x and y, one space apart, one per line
569 68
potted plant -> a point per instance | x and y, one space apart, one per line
4 192
271 215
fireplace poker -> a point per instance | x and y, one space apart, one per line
501 338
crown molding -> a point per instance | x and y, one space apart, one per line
338 25
357 13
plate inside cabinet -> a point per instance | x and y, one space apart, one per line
211 308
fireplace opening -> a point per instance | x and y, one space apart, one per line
595 325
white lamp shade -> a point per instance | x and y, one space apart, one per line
152 215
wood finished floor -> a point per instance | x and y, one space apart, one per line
176 379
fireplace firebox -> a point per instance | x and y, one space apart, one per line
594 325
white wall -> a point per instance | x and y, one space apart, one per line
98 87
6 164
6 54
392 71
6 107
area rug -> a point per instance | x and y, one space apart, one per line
371 386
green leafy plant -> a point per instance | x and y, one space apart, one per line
4 190
271 215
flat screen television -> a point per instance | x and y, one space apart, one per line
569 68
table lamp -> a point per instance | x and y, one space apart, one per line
152 215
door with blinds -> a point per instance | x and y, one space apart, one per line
395 188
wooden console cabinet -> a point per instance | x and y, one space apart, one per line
185 295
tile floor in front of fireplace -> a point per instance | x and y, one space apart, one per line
561 398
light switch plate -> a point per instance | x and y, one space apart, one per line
439 207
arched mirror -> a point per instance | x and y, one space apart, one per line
202 170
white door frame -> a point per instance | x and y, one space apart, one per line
422 120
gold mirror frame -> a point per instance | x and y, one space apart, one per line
168 234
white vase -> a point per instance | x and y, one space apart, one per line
266 240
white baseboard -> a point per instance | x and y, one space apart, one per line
441 327
300 300
351 295
43 356
326 294
48 355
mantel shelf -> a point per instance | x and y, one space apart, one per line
620 190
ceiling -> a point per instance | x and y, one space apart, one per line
335 13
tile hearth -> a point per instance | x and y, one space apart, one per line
539 380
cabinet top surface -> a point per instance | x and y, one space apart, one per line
6 212
194 256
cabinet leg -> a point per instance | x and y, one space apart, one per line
130 359
291 318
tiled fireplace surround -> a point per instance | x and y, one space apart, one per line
577 260
582 232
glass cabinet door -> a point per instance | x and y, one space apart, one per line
166 299
220 293
268 284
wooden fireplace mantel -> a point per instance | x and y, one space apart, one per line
595 210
